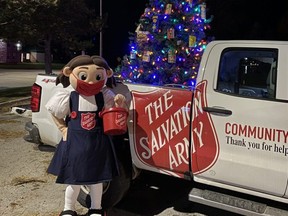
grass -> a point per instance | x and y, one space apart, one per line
14 93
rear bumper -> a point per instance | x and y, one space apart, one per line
33 135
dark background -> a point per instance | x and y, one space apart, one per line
232 19
122 18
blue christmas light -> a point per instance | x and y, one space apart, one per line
187 40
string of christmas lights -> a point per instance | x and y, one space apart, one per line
168 43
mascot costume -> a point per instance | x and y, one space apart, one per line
85 155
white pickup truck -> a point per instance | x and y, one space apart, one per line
229 132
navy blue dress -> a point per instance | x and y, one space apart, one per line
88 156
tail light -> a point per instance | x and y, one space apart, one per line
35 97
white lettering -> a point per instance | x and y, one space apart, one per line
158 107
154 144
173 130
182 151
143 143
199 136
168 130
167 98
148 109
172 159
181 154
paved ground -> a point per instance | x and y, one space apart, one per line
13 78
25 187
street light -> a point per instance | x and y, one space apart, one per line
18 46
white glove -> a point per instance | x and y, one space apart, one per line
120 101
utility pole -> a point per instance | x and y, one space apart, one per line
101 33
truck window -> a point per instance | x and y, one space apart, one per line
249 72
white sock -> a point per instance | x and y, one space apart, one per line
95 215
96 191
71 195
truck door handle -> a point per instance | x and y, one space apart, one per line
217 111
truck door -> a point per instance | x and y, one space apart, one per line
249 122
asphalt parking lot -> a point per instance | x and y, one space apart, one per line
12 78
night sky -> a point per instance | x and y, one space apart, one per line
122 18
232 19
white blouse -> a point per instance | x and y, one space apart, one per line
59 106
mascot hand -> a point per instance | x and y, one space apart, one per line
120 101
60 123
64 133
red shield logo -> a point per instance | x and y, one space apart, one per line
162 123
164 135
88 120
120 119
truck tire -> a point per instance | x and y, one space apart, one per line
113 191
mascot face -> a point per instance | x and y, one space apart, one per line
88 79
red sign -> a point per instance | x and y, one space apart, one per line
163 137
88 120
161 123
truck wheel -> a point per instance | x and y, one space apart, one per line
113 191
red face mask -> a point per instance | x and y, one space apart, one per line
87 89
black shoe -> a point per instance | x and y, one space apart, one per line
96 211
68 212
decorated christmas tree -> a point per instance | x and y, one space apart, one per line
168 43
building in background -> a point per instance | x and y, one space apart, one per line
9 52
13 53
